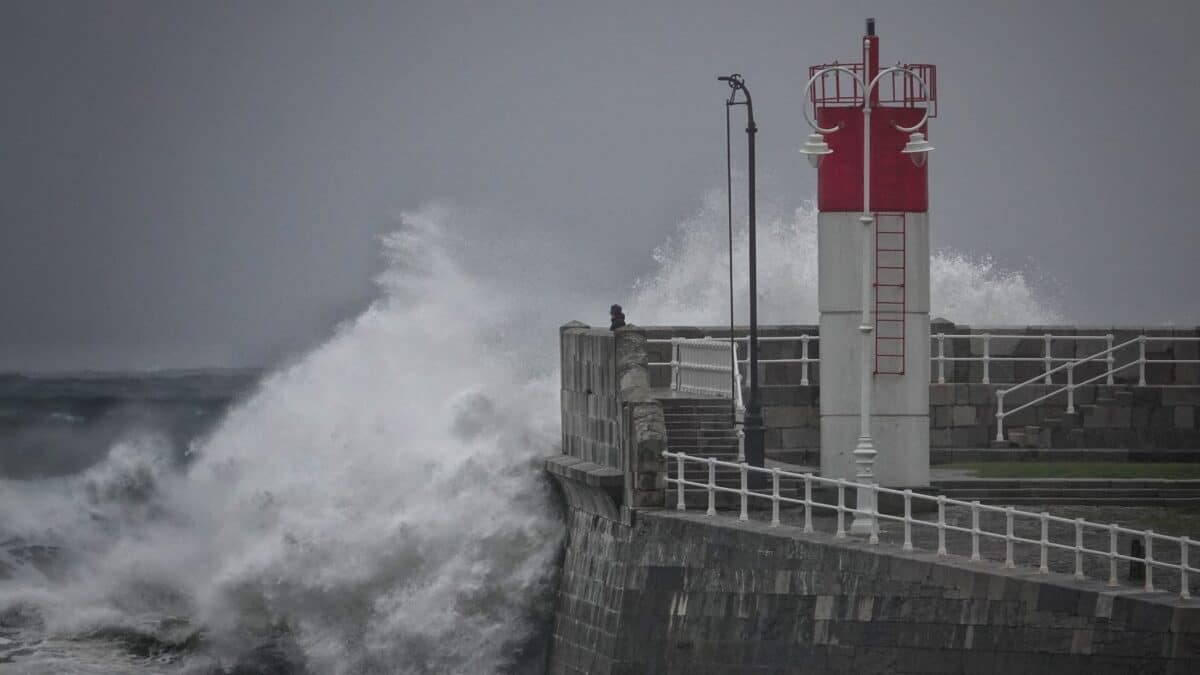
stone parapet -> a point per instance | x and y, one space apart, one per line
591 415
611 425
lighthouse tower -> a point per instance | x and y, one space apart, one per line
896 247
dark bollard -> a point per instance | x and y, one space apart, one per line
1137 570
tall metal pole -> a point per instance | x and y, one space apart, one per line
754 429
864 451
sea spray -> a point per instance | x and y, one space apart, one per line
689 284
377 503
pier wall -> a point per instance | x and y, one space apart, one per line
675 592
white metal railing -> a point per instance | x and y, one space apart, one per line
1111 369
987 358
976 532
805 360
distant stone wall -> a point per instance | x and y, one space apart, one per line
1119 416
681 593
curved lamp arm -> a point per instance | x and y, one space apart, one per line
924 90
808 89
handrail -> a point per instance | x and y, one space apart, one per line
1069 387
1111 555
739 407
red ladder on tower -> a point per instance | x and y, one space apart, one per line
889 293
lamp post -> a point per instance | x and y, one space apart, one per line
753 425
815 148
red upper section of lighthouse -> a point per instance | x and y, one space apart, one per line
896 183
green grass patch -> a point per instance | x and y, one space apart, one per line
1077 469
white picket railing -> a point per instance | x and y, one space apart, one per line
987 357
805 360
1107 355
1011 514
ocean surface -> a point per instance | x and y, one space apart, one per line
373 506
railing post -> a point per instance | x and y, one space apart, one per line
1142 361
1049 358
941 526
874 537
1071 388
804 360
987 357
674 364
1112 554
745 514
1149 560
679 505
1000 415
908 520
1184 592
1044 568
841 510
941 357
741 434
974 530
775 497
808 502
1008 537
1079 548
1108 340
712 487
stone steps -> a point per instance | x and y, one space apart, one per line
703 428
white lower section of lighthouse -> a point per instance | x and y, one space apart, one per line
900 405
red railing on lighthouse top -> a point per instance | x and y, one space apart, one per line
837 89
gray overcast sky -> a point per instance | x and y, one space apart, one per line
201 183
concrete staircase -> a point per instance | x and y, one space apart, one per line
703 427
1077 491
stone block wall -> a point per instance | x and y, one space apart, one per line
613 431
591 414
1119 416
964 416
682 593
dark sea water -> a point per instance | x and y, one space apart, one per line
53 426
54 430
